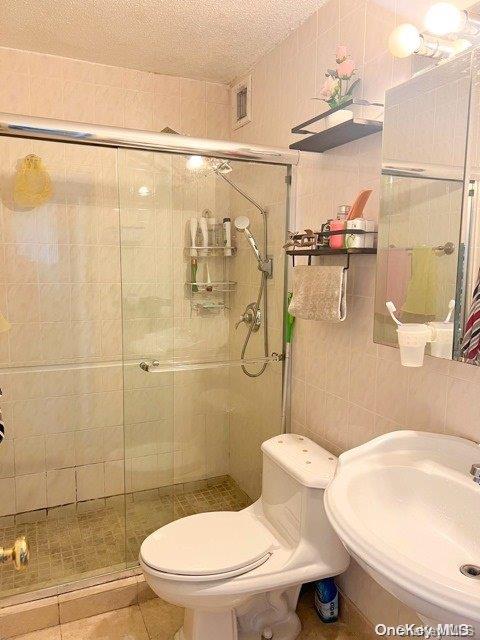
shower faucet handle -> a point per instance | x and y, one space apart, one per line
18 554
251 317
242 319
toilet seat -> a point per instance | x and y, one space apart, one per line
208 546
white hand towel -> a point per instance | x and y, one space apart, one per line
319 293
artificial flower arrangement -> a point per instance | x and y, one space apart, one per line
338 86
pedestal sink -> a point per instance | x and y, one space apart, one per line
408 510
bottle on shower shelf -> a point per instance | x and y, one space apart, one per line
337 241
204 233
227 236
193 236
212 228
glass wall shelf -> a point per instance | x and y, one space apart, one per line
211 287
217 250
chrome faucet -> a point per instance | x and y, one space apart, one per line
475 472
251 317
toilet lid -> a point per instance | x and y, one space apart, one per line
208 544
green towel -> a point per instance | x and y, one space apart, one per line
422 288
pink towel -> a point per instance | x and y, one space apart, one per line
395 271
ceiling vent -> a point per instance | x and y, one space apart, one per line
241 101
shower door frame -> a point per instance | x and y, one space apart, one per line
105 136
29 127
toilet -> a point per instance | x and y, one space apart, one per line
238 574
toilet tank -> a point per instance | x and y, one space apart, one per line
296 472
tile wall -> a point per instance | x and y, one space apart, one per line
60 278
345 388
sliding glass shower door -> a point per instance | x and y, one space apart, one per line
133 391
194 421
61 459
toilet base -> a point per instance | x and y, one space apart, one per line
208 625
273 611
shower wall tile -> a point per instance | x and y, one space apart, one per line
90 481
30 492
55 87
61 487
60 279
8 504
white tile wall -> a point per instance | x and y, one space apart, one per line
60 282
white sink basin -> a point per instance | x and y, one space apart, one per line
407 509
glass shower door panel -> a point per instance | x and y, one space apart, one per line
221 414
194 417
146 220
61 461
255 404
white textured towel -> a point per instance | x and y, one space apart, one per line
319 293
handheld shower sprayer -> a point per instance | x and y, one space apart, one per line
242 223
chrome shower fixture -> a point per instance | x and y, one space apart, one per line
265 265
199 164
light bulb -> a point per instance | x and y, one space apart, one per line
404 40
196 163
444 18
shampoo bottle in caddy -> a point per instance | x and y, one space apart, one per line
227 236
204 233
193 236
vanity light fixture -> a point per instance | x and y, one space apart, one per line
407 40
446 20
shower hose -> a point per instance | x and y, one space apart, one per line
262 292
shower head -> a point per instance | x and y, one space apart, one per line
241 224
200 164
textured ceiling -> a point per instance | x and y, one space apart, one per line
210 39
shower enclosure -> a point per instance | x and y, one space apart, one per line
141 364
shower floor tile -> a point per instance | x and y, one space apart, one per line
93 538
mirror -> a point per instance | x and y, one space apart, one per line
421 243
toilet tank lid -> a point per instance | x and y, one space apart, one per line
309 463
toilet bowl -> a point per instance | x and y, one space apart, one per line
238 574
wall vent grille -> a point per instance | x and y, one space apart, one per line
241 101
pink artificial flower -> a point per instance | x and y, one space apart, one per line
329 89
346 69
342 53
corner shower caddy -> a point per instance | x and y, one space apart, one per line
212 295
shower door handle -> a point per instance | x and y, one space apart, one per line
18 554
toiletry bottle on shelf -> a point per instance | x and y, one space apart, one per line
193 236
355 240
204 233
212 228
193 274
227 236
337 241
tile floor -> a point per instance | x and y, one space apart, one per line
74 542
157 620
